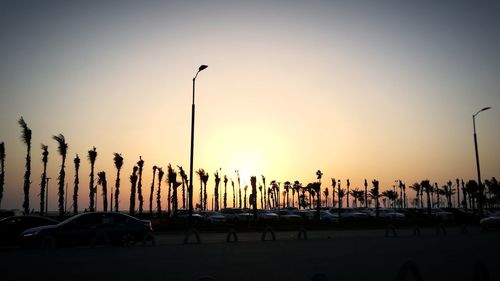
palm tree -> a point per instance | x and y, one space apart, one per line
326 193
316 190
92 156
347 194
183 175
253 196
171 179
418 190
296 188
225 192
140 165
133 181
175 185
390 195
426 186
239 188
472 190
45 160
358 195
287 186
26 138
118 160
464 193
366 193
458 193
201 174
334 183
375 194
62 149
76 182
205 194
101 180
216 191
340 195
152 191
158 192
245 198
234 194
2 171
264 187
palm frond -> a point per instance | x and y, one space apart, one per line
2 150
62 145
118 159
26 134
92 155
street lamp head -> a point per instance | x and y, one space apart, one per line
486 108
202 67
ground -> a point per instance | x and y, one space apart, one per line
346 255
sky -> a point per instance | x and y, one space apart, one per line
357 89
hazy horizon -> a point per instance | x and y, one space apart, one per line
381 90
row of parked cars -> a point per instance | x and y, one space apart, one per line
235 215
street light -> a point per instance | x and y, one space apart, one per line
190 212
477 162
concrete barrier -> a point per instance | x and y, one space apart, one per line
231 233
192 231
264 234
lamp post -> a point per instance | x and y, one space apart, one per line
477 162
190 212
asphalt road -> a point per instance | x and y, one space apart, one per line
339 255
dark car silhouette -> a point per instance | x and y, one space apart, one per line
91 229
12 227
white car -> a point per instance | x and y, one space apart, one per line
491 221
267 215
390 214
326 216
350 214
441 214
214 218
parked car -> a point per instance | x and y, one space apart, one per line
288 215
12 227
91 229
182 214
491 221
391 215
214 217
326 216
441 215
350 214
265 215
236 214
306 214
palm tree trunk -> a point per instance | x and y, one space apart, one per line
62 175
91 188
117 191
2 170
152 192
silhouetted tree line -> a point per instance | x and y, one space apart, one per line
456 193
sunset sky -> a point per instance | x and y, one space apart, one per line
371 89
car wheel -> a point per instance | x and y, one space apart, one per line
128 239
48 242
148 239
100 239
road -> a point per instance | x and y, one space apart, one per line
339 255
